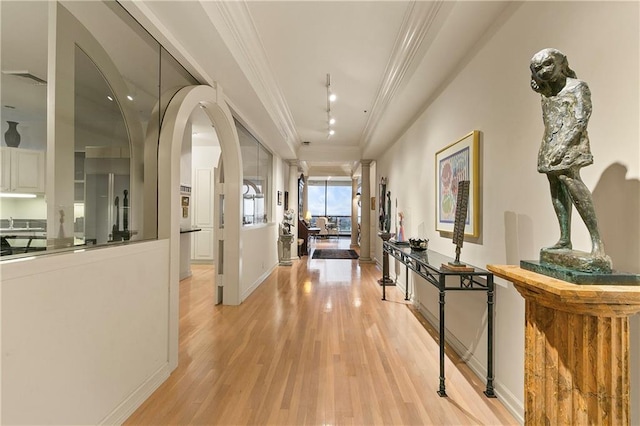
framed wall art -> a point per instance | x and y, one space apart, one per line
454 163
279 198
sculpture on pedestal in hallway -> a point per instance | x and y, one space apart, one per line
566 108
286 238
287 222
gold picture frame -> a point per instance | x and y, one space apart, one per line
455 162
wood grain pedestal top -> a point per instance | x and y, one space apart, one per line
596 300
576 348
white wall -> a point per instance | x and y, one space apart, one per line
205 157
259 249
84 335
374 190
490 92
23 208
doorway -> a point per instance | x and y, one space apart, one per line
228 206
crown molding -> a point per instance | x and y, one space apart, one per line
235 24
418 19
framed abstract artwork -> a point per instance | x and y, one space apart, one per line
454 163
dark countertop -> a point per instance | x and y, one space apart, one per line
20 230
187 230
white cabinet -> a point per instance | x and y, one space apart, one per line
22 170
5 158
202 205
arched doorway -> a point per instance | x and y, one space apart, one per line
228 202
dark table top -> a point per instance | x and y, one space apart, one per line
434 260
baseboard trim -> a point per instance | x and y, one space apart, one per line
202 261
508 399
257 282
131 403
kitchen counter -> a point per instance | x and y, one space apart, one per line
19 230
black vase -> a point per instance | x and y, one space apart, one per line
11 136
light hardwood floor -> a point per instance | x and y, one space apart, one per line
314 344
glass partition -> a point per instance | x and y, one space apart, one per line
97 150
257 164
102 159
23 97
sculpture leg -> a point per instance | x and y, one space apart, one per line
562 206
581 197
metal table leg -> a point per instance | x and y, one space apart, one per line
406 282
441 390
385 273
489 392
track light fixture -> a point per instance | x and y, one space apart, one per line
331 97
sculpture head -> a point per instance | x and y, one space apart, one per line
549 71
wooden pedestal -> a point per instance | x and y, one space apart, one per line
576 349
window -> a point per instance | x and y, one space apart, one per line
331 199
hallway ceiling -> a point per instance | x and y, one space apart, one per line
388 61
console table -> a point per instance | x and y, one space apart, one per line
427 264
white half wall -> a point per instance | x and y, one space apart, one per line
490 92
259 255
84 334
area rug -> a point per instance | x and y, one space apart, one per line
334 254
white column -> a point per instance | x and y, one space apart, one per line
354 212
293 205
365 231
